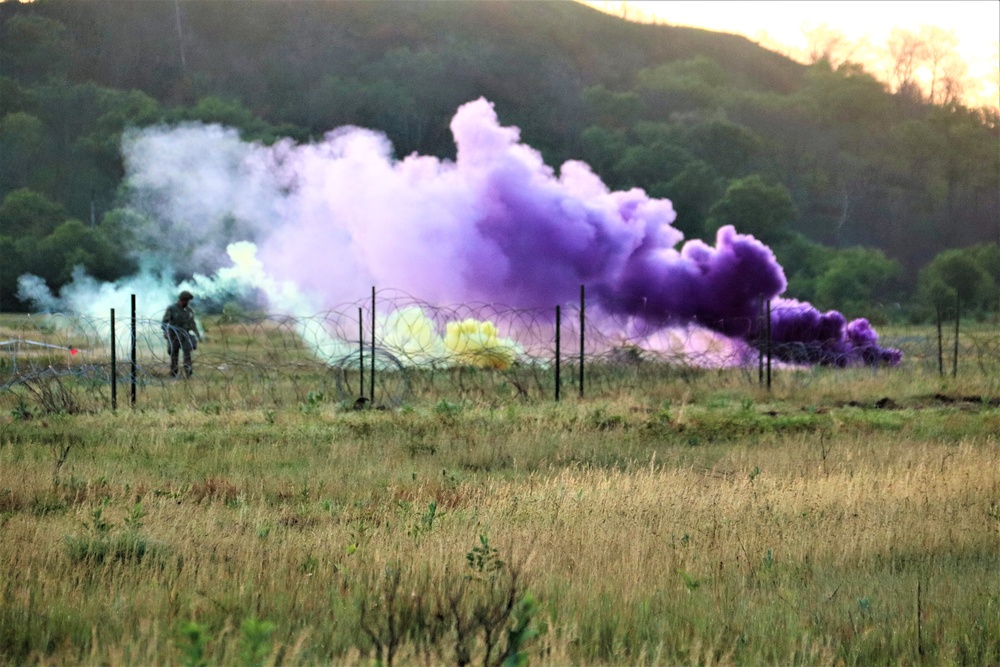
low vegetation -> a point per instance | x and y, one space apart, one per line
702 520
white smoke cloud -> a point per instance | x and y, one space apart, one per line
201 187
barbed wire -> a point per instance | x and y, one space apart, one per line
406 349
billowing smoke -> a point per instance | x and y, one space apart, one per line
497 225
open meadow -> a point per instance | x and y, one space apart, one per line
671 516
523 333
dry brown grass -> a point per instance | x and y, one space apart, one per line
707 530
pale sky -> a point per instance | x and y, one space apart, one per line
975 22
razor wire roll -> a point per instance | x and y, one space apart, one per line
416 350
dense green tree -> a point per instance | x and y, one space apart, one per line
224 111
987 257
692 192
956 273
602 149
34 48
346 100
64 170
100 148
20 256
13 96
74 245
28 213
856 279
11 266
728 147
803 261
967 170
684 85
643 165
25 152
610 109
754 206
386 105
123 225
847 96
232 113
407 100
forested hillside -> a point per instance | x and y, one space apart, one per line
856 189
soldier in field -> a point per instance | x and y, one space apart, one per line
181 332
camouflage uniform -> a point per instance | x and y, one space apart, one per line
181 332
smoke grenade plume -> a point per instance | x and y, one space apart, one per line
497 225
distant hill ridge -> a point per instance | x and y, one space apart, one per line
152 45
813 160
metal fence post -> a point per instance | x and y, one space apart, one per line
761 333
937 311
958 314
558 353
768 345
361 351
114 365
371 392
583 321
134 368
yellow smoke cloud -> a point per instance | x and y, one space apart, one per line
410 334
407 333
476 343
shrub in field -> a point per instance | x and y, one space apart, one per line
255 643
483 615
104 545
194 640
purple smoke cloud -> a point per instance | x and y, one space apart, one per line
496 225
804 335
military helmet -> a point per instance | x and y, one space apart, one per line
185 296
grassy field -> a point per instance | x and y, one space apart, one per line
676 518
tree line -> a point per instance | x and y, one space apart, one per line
876 201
